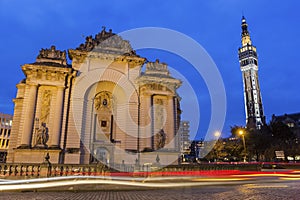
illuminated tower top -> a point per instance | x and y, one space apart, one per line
246 40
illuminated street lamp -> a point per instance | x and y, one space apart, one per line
242 133
217 134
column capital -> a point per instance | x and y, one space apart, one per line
32 85
60 87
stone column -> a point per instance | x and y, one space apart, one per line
56 130
176 123
171 120
29 116
147 114
152 122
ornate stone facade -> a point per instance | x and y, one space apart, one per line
99 108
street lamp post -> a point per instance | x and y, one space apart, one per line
241 132
217 135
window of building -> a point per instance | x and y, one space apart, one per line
8 133
290 124
1 131
7 143
258 126
103 123
6 122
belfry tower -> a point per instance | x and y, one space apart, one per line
249 66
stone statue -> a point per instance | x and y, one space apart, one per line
42 135
161 139
107 42
52 55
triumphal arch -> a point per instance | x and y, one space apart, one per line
103 104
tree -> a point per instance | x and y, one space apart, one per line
234 148
261 144
258 141
227 149
284 139
217 152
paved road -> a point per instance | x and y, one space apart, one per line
263 191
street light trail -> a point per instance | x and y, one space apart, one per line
143 182
83 181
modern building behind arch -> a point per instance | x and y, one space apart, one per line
5 131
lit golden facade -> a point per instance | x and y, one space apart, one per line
101 107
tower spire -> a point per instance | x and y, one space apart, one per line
246 40
249 66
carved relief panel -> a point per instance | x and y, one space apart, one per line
159 120
159 112
42 118
103 104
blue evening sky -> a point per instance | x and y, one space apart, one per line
28 26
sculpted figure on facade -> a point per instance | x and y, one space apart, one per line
42 135
161 139
107 42
102 100
159 113
48 55
45 106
